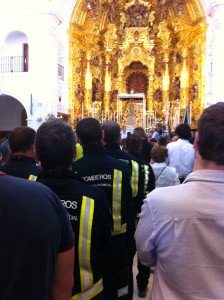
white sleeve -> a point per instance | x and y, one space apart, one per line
145 234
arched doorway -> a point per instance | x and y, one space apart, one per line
138 83
12 113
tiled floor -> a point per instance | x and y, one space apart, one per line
135 271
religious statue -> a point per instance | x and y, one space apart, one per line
78 93
93 7
137 14
151 18
158 95
194 91
112 10
122 20
176 88
178 58
96 87
178 6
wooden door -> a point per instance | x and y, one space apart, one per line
25 57
138 83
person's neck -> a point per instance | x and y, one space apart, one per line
201 164
27 154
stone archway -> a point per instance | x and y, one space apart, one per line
12 113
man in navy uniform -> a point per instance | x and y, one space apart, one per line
113 177
87 206
22 162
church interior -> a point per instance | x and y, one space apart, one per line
137 62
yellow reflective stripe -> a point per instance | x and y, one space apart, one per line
134 178
85 232
32 177
123 230
92 292
116 201
146 169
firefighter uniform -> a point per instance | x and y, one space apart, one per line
149 185
138 194
22 166
113 177
91 221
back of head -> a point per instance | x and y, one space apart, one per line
111 132
183 131
21 139
140 132
211 134
133 144
89 131
55 142
159 153
162 141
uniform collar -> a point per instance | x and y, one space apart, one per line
22 158
112 146
95 148
59 174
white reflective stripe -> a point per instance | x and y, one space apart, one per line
116 201
146 169
95 290
123 291
85 231
32 177
134 178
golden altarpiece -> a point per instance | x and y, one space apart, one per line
155 49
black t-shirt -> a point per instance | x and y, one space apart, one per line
34 228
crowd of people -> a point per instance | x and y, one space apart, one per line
75 208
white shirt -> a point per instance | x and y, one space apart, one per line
123 135
181 155
181 231
168 177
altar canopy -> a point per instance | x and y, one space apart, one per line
155 48
134 110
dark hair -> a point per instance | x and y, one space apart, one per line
55 142
21 139
211 134
140 132
111 132
159 153
133 144
183 131
162 141
88 130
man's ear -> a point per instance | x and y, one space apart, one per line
35 154
196 140
79 141
102 136
75 152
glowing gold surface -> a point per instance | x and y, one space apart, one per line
110 40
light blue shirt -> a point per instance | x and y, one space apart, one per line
181 232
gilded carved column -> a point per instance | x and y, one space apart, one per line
149 103
166 78
184 85
107 87
88 82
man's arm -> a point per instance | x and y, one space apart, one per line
62 281
144 236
